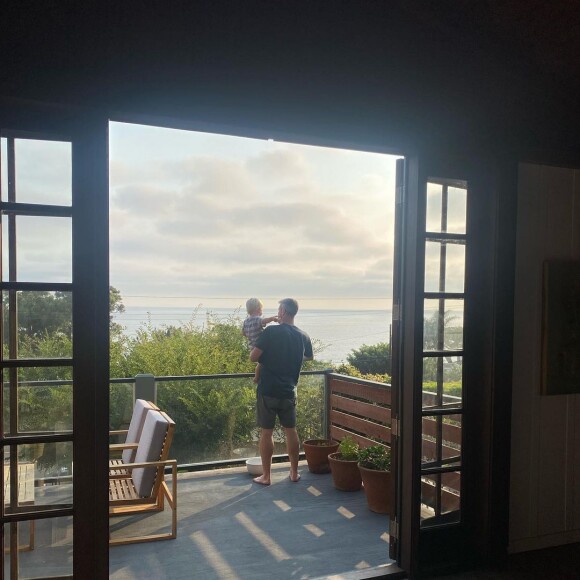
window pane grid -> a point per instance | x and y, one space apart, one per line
31 209
36 436
450 238
442 383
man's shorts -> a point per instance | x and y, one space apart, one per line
268 407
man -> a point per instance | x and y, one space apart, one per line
280 350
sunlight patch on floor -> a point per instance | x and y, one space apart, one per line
277 551
213 557
346 513
282 505
314 530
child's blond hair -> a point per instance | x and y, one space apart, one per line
253 304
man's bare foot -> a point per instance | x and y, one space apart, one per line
294 478
261 480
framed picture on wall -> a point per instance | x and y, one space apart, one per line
561 327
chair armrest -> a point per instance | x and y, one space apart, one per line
122 446
166 463
119 432
171 495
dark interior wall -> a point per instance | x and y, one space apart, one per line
401 73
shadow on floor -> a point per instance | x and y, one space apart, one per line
230 528
559 563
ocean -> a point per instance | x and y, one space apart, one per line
339 331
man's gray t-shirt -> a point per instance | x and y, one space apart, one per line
284 348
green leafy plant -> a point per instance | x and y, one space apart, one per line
372 359
215 417
348 449
375 457
352 371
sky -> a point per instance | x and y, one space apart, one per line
205 219
43 175
202 220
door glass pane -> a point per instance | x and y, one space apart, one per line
434 197
44 396
446 206
37 475
442 381
43 171
440 499
44 476
443 325
4 168
43 249
441 441
456 209
55 399
44 329
451 278
51 541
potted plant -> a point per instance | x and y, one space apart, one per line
344 466
317 451
374 463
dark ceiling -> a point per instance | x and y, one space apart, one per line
451 72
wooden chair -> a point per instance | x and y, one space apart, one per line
143 488
129 447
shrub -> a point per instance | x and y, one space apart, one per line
351 371
374 359
375 457
348 449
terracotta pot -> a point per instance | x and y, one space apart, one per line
345 473
317 452
377 486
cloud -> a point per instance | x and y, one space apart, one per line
44 247
281 218
214 178
282 165
145 200
195 218
43 171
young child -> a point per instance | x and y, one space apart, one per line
254 325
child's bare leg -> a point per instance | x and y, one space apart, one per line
257 374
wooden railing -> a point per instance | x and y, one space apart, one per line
449 486
362 409
359 408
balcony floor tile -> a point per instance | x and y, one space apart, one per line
232 528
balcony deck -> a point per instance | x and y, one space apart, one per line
230 527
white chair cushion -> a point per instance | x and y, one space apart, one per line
140 411
150 447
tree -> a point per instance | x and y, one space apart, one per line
374 359
451 337
352 371
115 306
40 312
45 313
214 415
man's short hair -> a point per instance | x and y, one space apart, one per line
290 305
253 304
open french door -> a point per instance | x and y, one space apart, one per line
444 365
54 400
